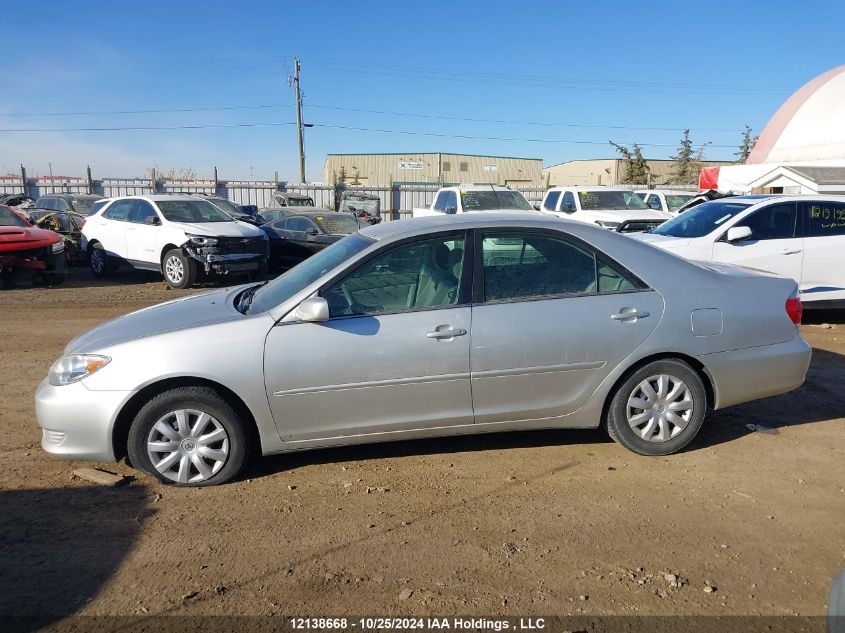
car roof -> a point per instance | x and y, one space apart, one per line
315 212
590 188
674 192
416 226
77 196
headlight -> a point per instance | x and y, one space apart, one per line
58 247
608 225
70 369
202 240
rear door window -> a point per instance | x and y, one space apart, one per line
531 265
824 219
119 210
568 202
550 203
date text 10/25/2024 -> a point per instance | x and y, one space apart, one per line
415 623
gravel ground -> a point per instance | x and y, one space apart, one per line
746 521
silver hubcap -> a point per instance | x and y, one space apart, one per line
659 408
174 270
97 260
187 446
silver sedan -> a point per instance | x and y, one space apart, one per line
428 327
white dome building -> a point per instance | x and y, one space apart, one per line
801 149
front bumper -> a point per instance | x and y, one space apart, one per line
749 374
76 422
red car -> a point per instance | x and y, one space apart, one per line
27 249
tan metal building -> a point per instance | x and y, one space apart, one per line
432 168
608 171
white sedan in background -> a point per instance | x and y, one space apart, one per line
802 237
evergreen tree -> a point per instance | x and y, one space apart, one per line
636 167
687 162
746 146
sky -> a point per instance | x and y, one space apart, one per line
552 80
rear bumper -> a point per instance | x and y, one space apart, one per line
757 372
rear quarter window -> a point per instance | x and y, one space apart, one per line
824 219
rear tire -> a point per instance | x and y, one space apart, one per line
188 436
99 261
179 270
659 409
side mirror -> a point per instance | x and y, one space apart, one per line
312 232
536 207
152 220
451 210
312 310
567 208
738 233
654 203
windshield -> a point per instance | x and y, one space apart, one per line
370 205
337 223
610 201
494 200
306 273
10 218
228 207
83 205
676 201
701 220
301 202
191 211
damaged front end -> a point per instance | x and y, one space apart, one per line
224 255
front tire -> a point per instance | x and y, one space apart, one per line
188 436
179 270
659 409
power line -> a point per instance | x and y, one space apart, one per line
342 127
380 112
146 127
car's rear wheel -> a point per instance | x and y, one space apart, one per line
99 260
659 409
189 436
179 270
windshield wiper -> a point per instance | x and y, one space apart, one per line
245 300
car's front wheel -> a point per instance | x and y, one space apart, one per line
179 270
189 436
659 409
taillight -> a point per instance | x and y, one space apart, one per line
794 309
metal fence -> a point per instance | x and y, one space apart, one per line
397 200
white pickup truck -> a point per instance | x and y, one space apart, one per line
615 208
472 198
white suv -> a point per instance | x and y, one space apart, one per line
177 235
802 237
616 208
665 199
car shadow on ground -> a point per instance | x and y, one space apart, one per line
817 400
82 277
60 546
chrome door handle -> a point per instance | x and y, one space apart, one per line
790 251
627 314
450 333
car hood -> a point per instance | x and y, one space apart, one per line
203 309
20 238
622 215
663 241
221 229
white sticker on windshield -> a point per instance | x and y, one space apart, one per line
720 220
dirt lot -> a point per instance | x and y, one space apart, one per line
530 523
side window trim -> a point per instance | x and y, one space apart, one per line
464 283
478 268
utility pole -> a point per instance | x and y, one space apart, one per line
299 121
